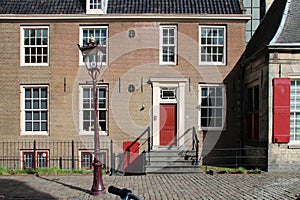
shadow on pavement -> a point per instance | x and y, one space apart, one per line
13 189
66 185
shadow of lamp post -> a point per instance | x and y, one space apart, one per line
92 56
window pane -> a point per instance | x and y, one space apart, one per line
36 126
28 116
102 126
28 126
35 104
27 104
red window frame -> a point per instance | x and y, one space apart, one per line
36 163
103 154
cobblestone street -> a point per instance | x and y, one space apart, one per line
164 186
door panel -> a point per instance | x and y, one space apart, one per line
168 124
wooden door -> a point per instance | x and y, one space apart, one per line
168 124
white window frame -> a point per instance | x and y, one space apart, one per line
96 38
162 45
91 11
293 135
23 110
81 110
23 46
223 107
223 62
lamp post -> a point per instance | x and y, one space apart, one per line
92 56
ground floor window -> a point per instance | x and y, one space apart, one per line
87 157
34 109
30 160
87 109
212 106
295 111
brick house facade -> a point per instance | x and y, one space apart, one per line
154 57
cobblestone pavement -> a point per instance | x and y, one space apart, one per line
159 187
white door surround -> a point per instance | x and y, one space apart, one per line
157 84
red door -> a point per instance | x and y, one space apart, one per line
167 124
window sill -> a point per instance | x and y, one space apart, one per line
212 129
34 133
211 64
294 145
35 65
88 133
168 64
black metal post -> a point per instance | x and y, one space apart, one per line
34 155
73 158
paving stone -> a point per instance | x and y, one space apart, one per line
158 186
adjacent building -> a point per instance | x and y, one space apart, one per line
269 94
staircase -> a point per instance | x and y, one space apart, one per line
171 161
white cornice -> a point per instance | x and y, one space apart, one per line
126 17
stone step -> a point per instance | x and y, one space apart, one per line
173 169
171 161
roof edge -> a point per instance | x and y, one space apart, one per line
115 17
282 23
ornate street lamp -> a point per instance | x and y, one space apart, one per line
92 55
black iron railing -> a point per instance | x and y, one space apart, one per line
62 154
196 146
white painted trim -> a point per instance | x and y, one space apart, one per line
81 63
22 53
161 28
22 113
223 86
224 46
95 11
81 132
179 83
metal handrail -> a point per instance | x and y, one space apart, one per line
196 145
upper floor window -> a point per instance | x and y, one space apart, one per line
94 6
34 109
35 46
87 109
212 106
212 45
100 36
168 45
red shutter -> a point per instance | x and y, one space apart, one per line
281 110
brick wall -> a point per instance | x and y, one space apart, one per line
131 61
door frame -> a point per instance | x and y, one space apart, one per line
157 83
